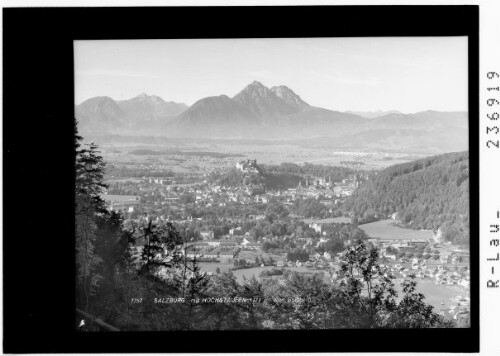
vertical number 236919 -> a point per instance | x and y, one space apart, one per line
491 102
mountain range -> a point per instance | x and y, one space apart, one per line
144 112
276 113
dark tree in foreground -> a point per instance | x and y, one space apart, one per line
193 284
89 208
368 288
371 296
162 248
413 312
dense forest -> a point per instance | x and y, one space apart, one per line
148 152
119 171
154 287
259 181
314 170
430 193
310 208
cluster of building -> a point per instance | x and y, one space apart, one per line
155 194
439 273
343 188
121 202
248 166
162 181
161 196
315 261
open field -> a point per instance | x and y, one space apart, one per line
123 180
340 219
268 152
119 198
384 229
212 267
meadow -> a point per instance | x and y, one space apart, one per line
225 153
119 198
384 229
338 220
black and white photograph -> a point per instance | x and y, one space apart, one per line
272 184
250 178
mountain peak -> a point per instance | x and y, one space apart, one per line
145 99
144 106
98 102
253 91
288 95
145 96
256 87
263 102
256 84
100 110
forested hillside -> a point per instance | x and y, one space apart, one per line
430 193
336 173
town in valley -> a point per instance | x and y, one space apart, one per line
239 226
247 184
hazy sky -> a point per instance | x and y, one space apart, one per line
405 74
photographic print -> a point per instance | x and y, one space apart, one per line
272 184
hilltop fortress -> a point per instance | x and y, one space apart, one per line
248 166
